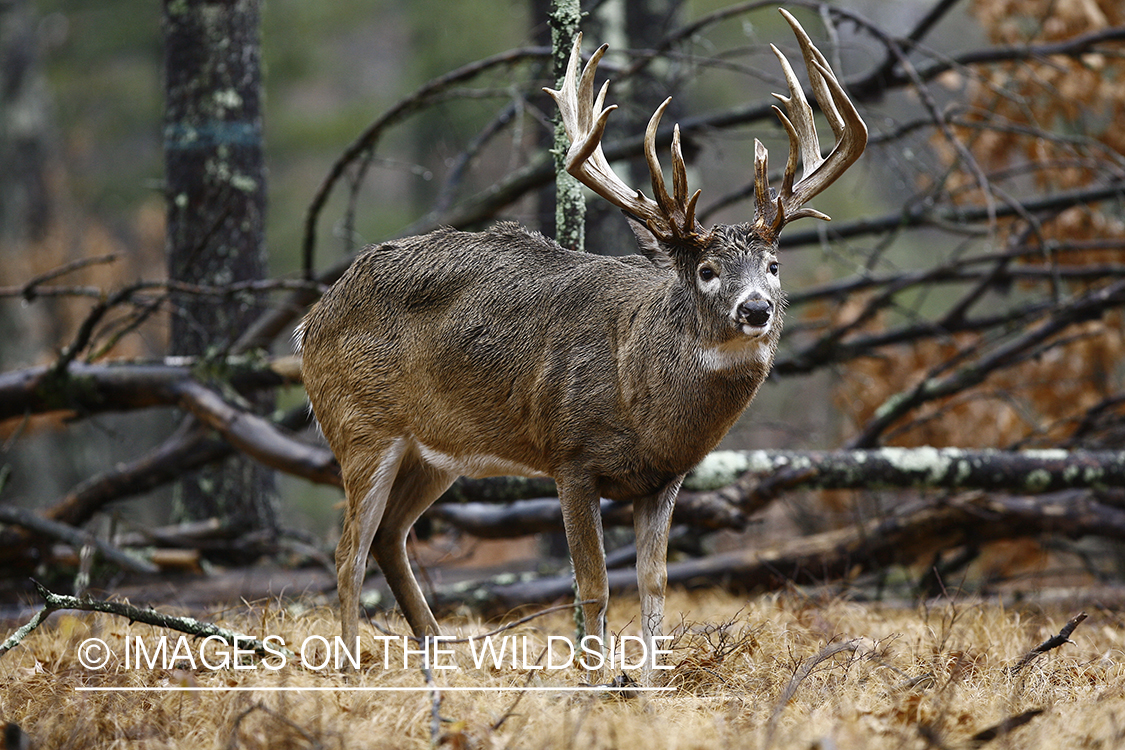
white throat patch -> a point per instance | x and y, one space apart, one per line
735 354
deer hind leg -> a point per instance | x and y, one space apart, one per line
367 486
582 519
652 517
415 489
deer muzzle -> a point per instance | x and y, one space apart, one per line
753 314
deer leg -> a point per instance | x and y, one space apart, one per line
367 488
652 517
414 490
582 519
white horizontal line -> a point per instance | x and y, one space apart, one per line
359 689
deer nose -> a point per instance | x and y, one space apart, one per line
755 312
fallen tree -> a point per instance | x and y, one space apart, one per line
912 533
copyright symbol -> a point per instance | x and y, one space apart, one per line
93 653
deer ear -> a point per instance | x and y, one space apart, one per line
649 245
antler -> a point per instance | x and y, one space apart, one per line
818 172
670 218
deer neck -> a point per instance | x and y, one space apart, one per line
683 380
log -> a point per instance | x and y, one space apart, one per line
911 534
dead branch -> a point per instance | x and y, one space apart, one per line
87 389
498 489
1083 307
77 537
524 517
758 477
922 215
235 740
258 437
1023 472
1004 728
911 534
868 87
30 289
16 638
369 138
1053 642
800 675
55 602
185 450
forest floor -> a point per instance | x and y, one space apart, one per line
790 670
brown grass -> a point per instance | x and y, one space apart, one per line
908 678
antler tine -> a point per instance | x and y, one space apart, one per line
654 170
761 181
679 183
799 124
816 63
679 169
584 158
851 140
668 217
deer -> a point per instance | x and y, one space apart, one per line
502 353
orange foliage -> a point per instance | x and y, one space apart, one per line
1038 401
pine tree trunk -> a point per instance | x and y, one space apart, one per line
216 211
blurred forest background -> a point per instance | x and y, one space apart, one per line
967 293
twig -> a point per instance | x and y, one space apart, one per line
800 675
54 602
511 709
1076 310
24 630
371 135
1051 643
233 741
29 290
870 86
79 538
435 706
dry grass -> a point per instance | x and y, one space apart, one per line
907 678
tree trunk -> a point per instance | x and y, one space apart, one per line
216 210
570 202
24 202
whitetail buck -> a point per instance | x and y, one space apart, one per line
503 353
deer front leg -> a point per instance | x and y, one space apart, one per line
582 519
652 518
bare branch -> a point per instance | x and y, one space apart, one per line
76 537
912 533
369 138
94 388
540 171
257 437
1051 643
1083 307
55 602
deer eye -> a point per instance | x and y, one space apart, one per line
706 273
774 268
